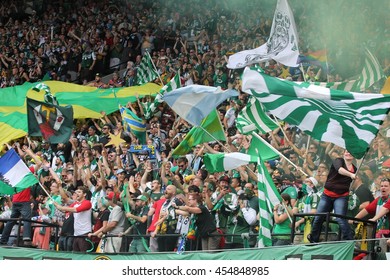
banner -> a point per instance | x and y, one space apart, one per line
336 251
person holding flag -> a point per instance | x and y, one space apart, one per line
335 196
16 179
282 228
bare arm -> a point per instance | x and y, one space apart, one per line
382 212
345 172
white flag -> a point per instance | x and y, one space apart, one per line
282 45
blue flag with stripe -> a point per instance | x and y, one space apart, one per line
133 124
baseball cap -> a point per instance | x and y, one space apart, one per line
193 189
142 197
224 178
386 163
188 178
119 171
62 158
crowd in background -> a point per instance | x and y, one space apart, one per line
60 40
119 194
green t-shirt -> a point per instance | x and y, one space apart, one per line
282 228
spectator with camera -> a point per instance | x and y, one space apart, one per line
241 222
225 202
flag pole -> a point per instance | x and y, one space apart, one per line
42 187
277 122
303 71
307 148
327 65
278 152
155 68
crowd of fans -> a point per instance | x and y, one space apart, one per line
130 197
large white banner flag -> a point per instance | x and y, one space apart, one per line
282 45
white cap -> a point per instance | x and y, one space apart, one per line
314 181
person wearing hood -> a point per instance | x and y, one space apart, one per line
308 203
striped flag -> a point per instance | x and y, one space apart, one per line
146 72
268 198
173 84
253 117
41 86
282 45
226 161
372 73
349 120
193 103
344 86
14 174
133 123
48 97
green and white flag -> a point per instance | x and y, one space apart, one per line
41 86
48 97
254 118
173 84
146 71
349 120
226 161
345 86
372 73
258 147
268 197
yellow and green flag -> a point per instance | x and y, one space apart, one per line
209 130
87 102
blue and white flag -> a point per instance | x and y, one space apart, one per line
15 176
195 102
